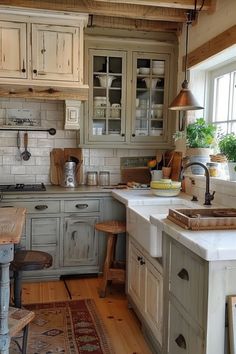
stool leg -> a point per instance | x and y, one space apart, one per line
107 263
17 288
24 340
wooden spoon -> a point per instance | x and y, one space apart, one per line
26 154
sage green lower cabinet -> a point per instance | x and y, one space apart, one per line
145 292
80 242
195 297
63 225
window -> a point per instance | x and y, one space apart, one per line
222 98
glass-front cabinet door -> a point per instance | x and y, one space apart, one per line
107 95
150 96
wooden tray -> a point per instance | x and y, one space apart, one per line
204 219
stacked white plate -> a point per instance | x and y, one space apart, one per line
158 67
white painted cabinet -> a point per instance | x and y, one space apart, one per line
145 288
13 47
55 52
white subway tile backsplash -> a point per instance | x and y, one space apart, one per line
101 153
18 170
112 161
44 143
43 161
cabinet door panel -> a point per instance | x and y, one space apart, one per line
182 337
13 50
80 241
136 277
154 300
187 279
55 52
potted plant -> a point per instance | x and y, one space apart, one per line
200 137
227 146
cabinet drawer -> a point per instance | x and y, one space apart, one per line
82 206
39 206
187 277
182 337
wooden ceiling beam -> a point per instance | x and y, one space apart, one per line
104 9
138 25
181 4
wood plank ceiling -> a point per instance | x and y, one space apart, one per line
148 15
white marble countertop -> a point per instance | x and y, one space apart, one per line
211 245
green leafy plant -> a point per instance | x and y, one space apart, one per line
200 134
227 146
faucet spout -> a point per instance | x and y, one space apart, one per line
208 196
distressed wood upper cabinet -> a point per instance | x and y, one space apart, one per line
42 49
13 47
80 244
55 52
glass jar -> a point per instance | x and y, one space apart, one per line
104 178
92 178
213 168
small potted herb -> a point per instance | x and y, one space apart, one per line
200 137
227 146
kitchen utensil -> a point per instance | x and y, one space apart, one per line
26 154
69 174
18 154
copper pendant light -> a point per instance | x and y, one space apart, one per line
185 101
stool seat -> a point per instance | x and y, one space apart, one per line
112 270
113 227
27 260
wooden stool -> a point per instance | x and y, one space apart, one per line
19 319
25 261
111 270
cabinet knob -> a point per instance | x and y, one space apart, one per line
139 258
183 274
81 206
142 262
23 70
133 135
41 207
181 342
35 71
122 134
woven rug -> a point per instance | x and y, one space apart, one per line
69 327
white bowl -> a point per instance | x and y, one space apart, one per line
165 192
158 71
144 70
158 63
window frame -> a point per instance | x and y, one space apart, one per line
212 74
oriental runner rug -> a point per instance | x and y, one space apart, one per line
69 327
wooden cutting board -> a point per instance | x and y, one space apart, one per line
136 174
57 159
176 165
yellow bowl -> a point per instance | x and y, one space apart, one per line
165 185
165 192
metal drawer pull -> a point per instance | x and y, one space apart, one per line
81 206
142 262
183 274
41 207
139 258
180 341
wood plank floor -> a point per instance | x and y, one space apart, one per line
121 322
